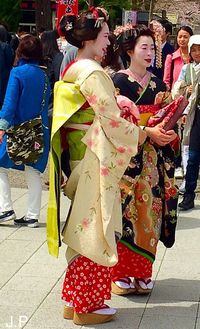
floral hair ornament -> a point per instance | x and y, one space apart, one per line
69 26
158 30
69 21
93 14
124 31
104 11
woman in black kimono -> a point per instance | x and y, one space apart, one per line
149 197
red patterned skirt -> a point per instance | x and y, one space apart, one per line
87 285
130 264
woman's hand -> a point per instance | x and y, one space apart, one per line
159 136
183 119
189 90
142 136
163 98
172 135
2 132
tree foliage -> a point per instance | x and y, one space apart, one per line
115 7
10 13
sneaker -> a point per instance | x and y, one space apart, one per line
182 187
24 221
7 215
178 173
187 202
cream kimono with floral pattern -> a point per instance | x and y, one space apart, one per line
111 141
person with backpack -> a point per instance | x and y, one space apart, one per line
26 98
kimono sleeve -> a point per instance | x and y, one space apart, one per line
98 89
120 82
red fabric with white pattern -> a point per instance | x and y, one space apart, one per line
86 285
130 264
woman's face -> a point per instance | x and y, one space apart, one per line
100 44
183 39
195 53
143 52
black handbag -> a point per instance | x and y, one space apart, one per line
25 141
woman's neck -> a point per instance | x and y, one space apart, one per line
184 51
138 70
185 55
84 54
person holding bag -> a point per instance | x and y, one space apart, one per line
149 196
26 98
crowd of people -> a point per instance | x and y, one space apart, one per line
105 99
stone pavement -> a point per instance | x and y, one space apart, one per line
30 279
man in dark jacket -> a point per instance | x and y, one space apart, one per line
16 38
167 48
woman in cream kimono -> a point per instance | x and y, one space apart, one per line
101 144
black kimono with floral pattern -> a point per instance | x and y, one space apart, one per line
149 196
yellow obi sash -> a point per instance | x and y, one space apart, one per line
67 101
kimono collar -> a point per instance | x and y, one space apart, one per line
80 70
142 81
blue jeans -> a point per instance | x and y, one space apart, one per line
192 172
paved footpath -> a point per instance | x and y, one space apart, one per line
30 279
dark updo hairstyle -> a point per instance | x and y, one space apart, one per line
130 37
128 40
65 22
85 27
30 49
112 54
